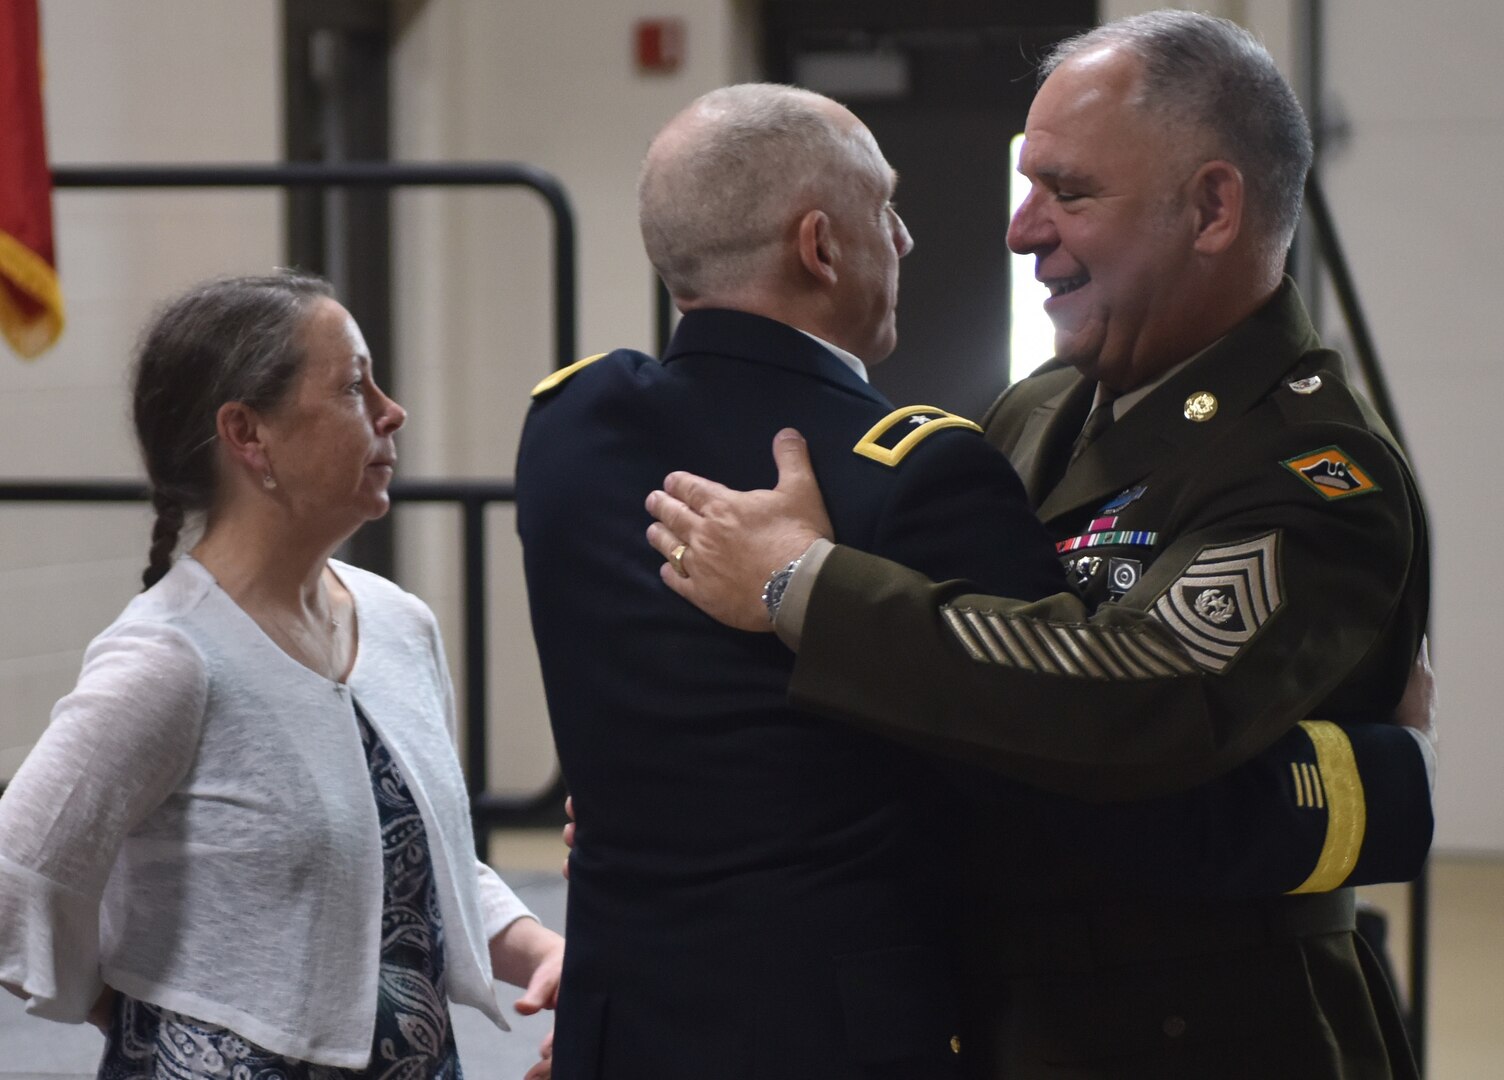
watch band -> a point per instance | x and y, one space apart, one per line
777 584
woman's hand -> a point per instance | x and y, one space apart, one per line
529 955
544 1069
103 1010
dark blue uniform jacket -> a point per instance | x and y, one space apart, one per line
755 892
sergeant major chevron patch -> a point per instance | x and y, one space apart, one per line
1222 599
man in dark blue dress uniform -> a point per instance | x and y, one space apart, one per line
755 893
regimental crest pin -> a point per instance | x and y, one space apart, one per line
1222 599
1201 406
1331 473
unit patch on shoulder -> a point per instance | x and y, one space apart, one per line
1331 473
890 439
558 378
1222 599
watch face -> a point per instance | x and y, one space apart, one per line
772 593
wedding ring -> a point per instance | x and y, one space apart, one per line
676 560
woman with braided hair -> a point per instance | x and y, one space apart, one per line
243 846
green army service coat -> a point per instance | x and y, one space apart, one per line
1277 552
1252 564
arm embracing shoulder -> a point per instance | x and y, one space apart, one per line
1142 698
116 746
957 511
1326 806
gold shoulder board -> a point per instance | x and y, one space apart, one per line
890 439
558 377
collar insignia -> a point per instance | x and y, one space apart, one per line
1201 406
1306 386
1331 473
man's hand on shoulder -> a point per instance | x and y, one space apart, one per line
733 541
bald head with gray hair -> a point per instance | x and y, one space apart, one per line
1209 75
727 179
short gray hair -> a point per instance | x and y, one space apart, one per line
712 211
1211 74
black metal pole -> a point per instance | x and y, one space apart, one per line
1420 951
358 174
73 491
1352 311
1325 229
475 655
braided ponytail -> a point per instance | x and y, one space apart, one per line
234 339
164 537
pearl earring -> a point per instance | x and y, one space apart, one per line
268 481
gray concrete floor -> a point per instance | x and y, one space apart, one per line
1466 1039
32 1049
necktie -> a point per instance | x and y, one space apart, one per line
1099 421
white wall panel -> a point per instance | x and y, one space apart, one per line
553 85
1412 191
149 81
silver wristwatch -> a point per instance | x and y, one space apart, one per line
777 585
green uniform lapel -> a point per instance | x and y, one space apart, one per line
1238 371
1046 436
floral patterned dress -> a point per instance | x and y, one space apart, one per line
413 1039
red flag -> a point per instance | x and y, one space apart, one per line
31 305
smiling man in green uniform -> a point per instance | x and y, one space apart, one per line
1250 552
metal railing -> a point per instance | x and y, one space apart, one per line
370 174
488 811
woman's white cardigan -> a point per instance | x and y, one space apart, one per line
196 827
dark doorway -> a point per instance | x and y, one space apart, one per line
336 109
944 88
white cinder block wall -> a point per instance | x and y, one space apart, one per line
158 81
553 85
531 80
1413 191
